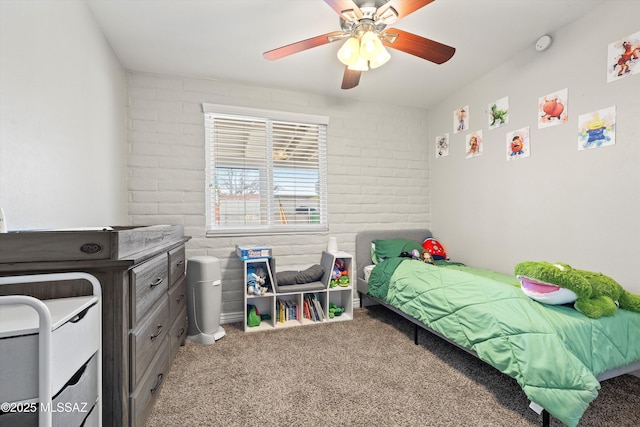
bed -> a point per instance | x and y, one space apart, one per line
554 353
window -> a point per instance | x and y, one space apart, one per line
265 171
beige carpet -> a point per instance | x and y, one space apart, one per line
365 372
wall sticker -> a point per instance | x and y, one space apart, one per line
552 109
518 144
597 129
461 119
442 145
623 58
498 113
474 144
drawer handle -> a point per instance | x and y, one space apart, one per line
180 298
158 383
157 334
180 333
75 379
78 317
157 282
180 263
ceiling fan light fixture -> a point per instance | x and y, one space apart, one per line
349 53
370 45
361 65
363 25
380 59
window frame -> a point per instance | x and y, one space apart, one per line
255 114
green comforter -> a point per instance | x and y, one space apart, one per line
554 352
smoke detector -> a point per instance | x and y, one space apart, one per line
543 43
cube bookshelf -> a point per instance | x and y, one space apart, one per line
284 308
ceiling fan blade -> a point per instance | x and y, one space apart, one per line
402 8
296 47
351 78
346 8
419 46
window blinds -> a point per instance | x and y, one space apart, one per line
264 174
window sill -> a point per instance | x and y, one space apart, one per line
239 233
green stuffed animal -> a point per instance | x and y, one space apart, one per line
253 316
593 294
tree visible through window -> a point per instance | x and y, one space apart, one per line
263 173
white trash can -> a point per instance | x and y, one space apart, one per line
204 294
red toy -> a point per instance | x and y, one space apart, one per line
435 248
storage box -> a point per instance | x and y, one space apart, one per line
253 252
74 339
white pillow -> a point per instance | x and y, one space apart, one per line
367 272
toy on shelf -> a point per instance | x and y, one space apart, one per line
256 280
252 252
253 316
339 274
335 310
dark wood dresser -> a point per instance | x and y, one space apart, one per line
144 318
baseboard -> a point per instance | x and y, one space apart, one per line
231 317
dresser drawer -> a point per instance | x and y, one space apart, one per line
146 339
149 282
144 396
178 332
177 298
176 264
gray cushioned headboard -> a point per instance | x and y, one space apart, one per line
364 238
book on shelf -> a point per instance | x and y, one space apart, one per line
313 308
307 310
287 310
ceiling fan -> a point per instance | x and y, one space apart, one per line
364 25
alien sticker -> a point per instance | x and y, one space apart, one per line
597 129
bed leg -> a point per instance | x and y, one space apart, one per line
415 334
360 299
540 411
545 418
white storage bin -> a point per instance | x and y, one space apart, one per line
51 348
71 406
73 341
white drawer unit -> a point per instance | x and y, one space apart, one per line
50 348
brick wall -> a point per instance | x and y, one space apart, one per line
378 168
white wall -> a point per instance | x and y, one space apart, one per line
62 118
377 168
560 204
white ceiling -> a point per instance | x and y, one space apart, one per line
225 39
